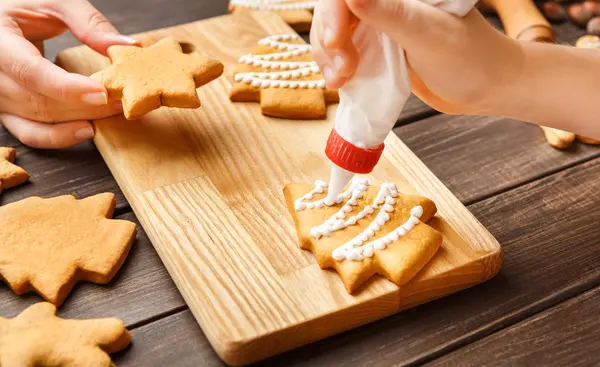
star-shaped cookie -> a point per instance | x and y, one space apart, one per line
284 77
370 230
297 13
48 245
160 75
10 174
37 337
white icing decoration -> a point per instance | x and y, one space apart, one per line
358 248
289 70
275 4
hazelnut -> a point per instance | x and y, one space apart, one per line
588 41
592 7
579 15
554 12
593 26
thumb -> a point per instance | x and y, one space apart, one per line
90 26
405 21
47 136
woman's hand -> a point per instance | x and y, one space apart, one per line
456 65
40 103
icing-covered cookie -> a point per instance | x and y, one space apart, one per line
366 231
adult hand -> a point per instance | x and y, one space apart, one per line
456 65
41 104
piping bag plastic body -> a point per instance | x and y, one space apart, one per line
371 102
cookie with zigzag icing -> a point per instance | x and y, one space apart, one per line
370 230
297 13
283 76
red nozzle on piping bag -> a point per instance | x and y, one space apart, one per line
371 102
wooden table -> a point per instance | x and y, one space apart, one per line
540 203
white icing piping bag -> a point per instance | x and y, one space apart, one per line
371 102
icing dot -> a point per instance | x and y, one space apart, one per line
354 255
339 254
368 251
417 211
379 245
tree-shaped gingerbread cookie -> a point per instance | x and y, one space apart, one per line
297 13
283 76
10 174
368 231
160 75
48 245
37 337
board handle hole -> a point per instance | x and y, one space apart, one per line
187 47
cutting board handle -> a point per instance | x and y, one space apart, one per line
522 20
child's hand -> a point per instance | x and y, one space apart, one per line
40 103
457 65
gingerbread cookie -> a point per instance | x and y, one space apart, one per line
48 245
37 337
297 13
368 231
282 75
145 79
10 174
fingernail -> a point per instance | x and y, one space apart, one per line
338 63
95 98
327 73
84 134
328 37
117 105
127 39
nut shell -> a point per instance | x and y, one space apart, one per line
592 7
593 26
588 41
579 15
554 12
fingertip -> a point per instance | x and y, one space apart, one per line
336 83
84 133
120 39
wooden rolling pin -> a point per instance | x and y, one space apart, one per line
523 21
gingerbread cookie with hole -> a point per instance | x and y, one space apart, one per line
282 75
10 174
369 230
145 79
48 245
37 337
297 13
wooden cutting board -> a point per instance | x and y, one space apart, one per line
207 186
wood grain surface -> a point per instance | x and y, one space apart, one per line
532 279
223 229
545 264
477 157
566 334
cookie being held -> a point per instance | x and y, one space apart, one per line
10 174
297 13
37 337
145 79
282 75
48 245
368 230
